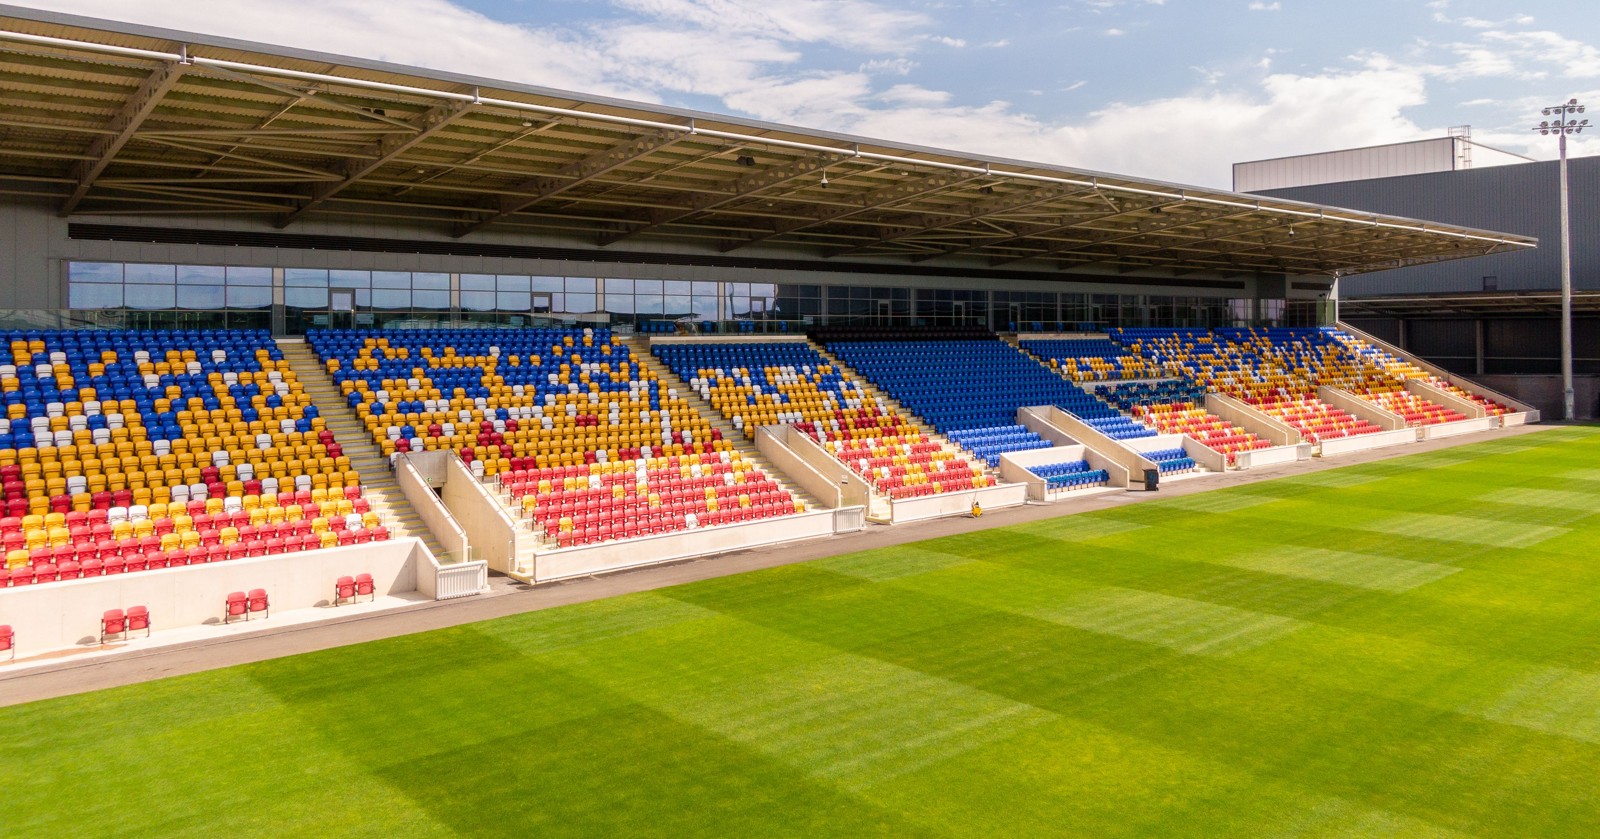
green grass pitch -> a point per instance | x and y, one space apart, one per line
1404 648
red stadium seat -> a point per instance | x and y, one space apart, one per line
113 622
235 605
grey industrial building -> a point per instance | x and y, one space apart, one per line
1494 316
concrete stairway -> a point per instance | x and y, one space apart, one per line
377 482
640 347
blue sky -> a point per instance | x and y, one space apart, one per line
1173 89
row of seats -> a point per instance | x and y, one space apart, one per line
516 401
582 505
1174 406
114 440
1089 359
1069 475
756 384
1171 461
970 387
1272 369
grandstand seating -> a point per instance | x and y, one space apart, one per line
1174 406
756 384
1068 475
128 450
543 411
1089 359
1275 370
1170 461
970 390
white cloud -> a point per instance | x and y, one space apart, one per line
948 41
893 66
1114 32
1258 6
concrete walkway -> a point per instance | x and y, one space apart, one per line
508 597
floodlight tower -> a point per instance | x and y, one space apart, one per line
1565 123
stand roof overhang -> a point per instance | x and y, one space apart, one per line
110 119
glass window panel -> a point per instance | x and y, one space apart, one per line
391 298
705 306
250 276
202 297
350 279
618 303
763 290
306 277
513 301
738 306
95 272
477 301
306 298
705 288
142 273
430 298
614 286
647 304
431 281
391 279
549 284
149 296
676 287
514 282
675 304
477 282
646 286
363 297
201 275
248 297
579 303
737 289
580 285
95 296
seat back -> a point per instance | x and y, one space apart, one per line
138 617
364 584
236 603
258 600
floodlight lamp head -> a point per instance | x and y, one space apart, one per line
824 179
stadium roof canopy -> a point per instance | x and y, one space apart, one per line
108 118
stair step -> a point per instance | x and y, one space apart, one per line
379 487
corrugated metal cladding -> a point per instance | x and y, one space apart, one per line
1514 199
1435 155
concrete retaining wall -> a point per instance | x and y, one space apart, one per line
67 613
666 547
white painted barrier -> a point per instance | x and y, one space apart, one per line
1364 442
562 563
1272 456
812 467
902 510
435 516
1361 409
1015 467
67 613
1454 429
1131 463
1439 396
1254 420
488 525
